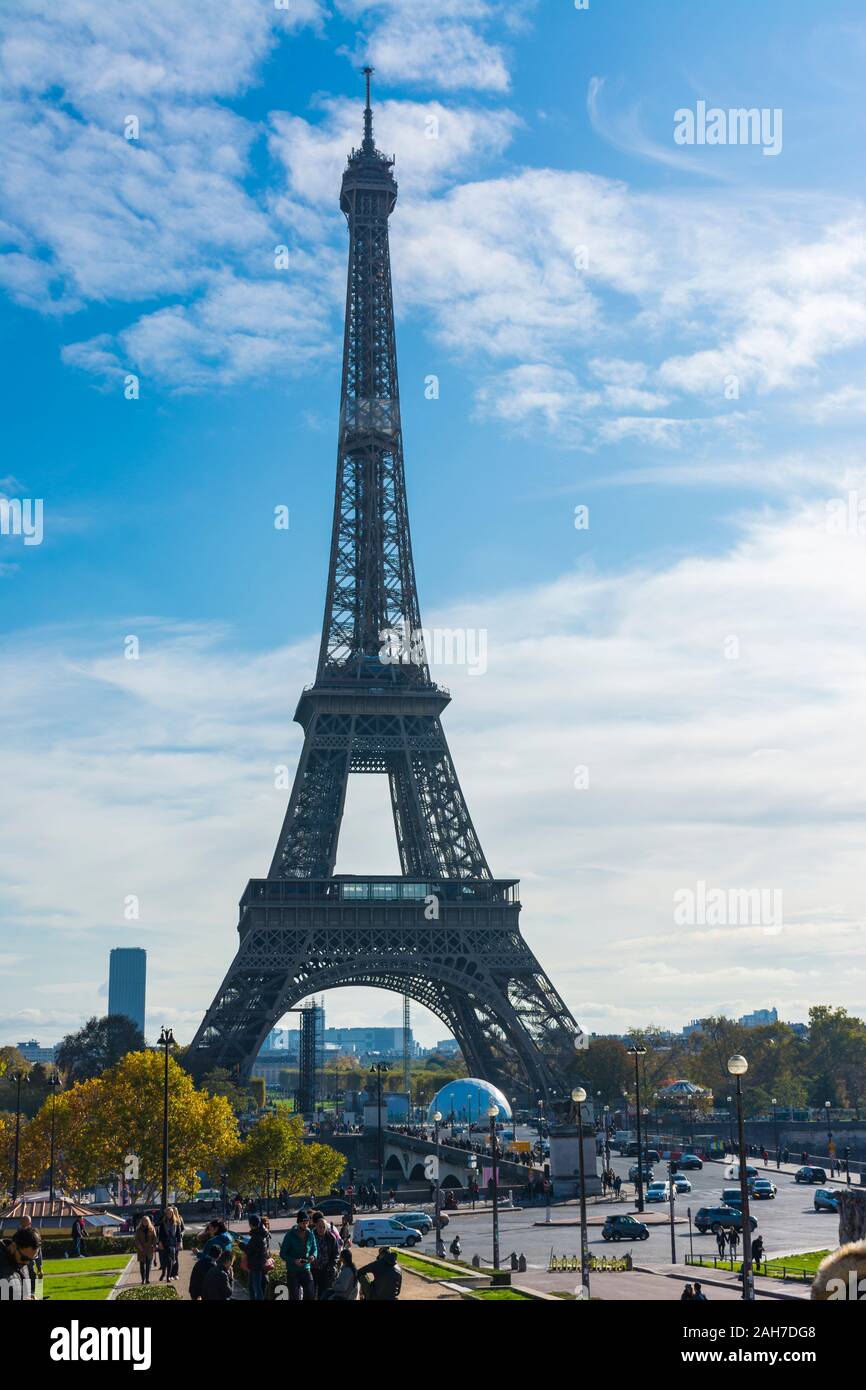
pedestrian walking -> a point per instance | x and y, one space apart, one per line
328 1246
687 1294
145 1247
382 1280
700 1296
257 1256
758 1251
78 1246
733 1241
168 1233
299 1250
345 1231
455 1247
721 1242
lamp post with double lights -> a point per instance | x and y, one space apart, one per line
166 1040
19 1077
54 1083
737 1067
377 1069
437 1220
578 1095
637 1050
492 1112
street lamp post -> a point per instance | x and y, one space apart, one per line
637 1050
166 1040
607 1138
738 1066
378 1068
730 1100
776 1134
578 1095
492 1112
18 1077
54 1083
437 1222
828 1107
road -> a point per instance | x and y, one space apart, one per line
788 1223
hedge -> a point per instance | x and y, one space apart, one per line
150 1293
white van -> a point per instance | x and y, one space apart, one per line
383 1230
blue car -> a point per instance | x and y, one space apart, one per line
825 1200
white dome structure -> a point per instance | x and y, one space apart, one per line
467 1101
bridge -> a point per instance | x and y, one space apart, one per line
404 1156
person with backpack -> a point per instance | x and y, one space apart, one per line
455 1247
383 1279
299 1250
257 1257
145 1247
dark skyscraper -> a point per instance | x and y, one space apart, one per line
127 976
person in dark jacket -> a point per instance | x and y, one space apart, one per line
219 1281
324 1267
16 1263
78 1237
383 1279
299 1251
256 1251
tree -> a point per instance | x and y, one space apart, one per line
100 1044
276 1142
100 1120
220 1082
7 1149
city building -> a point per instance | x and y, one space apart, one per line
352 1042
449 1047
127 975
33 1052
761 1018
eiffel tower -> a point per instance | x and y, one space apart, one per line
445 932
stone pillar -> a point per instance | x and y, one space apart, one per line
565 1161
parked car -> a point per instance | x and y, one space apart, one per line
717 1218
383 1230
658 1192
645 1173
826 1200
681 1183
418 1220
334 1206
624 1228
762 1189
689 1161
809 1174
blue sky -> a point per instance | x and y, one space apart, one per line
585 290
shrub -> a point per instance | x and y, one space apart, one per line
149 1292
55 1247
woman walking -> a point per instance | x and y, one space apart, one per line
145 1247
169 1240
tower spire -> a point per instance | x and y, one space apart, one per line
369 145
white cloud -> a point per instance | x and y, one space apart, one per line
156 777
439 43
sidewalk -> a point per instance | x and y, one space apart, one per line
131 1277
724 1279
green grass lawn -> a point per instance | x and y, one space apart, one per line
498 1295
89 1262
791 1266
420 1266
85 1288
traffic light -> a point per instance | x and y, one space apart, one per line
673 1167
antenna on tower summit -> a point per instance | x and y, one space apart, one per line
368 113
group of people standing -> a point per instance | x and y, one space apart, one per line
162 1241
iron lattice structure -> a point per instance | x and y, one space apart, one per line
446 934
